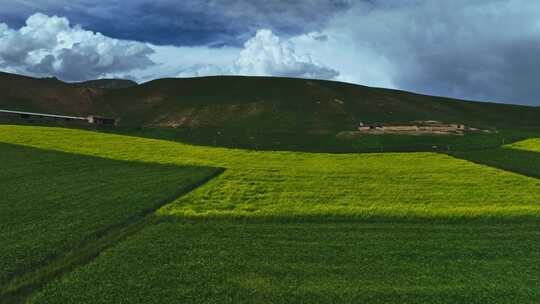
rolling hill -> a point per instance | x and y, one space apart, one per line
268 112
48 95
106 83
284 104
258 103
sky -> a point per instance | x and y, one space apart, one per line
485 50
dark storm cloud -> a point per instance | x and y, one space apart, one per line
488 50
186 22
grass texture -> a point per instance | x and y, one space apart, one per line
532 145
315 227
403 263
307 186
53 202
509 158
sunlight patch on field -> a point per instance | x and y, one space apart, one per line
313 185
532 145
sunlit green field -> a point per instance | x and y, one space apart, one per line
292 227
532 145
284 185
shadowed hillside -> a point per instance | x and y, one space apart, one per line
48 95
106 83
258 103
295 105
266 112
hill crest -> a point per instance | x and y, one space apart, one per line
259 104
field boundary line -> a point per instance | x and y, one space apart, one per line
22 286
504 162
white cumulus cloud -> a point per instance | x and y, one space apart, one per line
52 46
267 55
264 54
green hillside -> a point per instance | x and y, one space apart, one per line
296 105
106 83
270 113
45 95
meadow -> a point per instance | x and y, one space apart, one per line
311 263
245 138
53 202
304 186
289 227
522 161
532 145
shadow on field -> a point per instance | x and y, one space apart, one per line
61 210
514 160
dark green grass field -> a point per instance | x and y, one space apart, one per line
244 138
52 202
523 161
312 263
295 227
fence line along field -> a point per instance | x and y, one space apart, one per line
53 201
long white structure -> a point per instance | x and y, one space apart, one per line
43 115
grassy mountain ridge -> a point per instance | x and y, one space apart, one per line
270 113
106 83
258 103
48 95
299 105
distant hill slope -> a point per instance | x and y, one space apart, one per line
285 104
47 95
259 104
106 83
